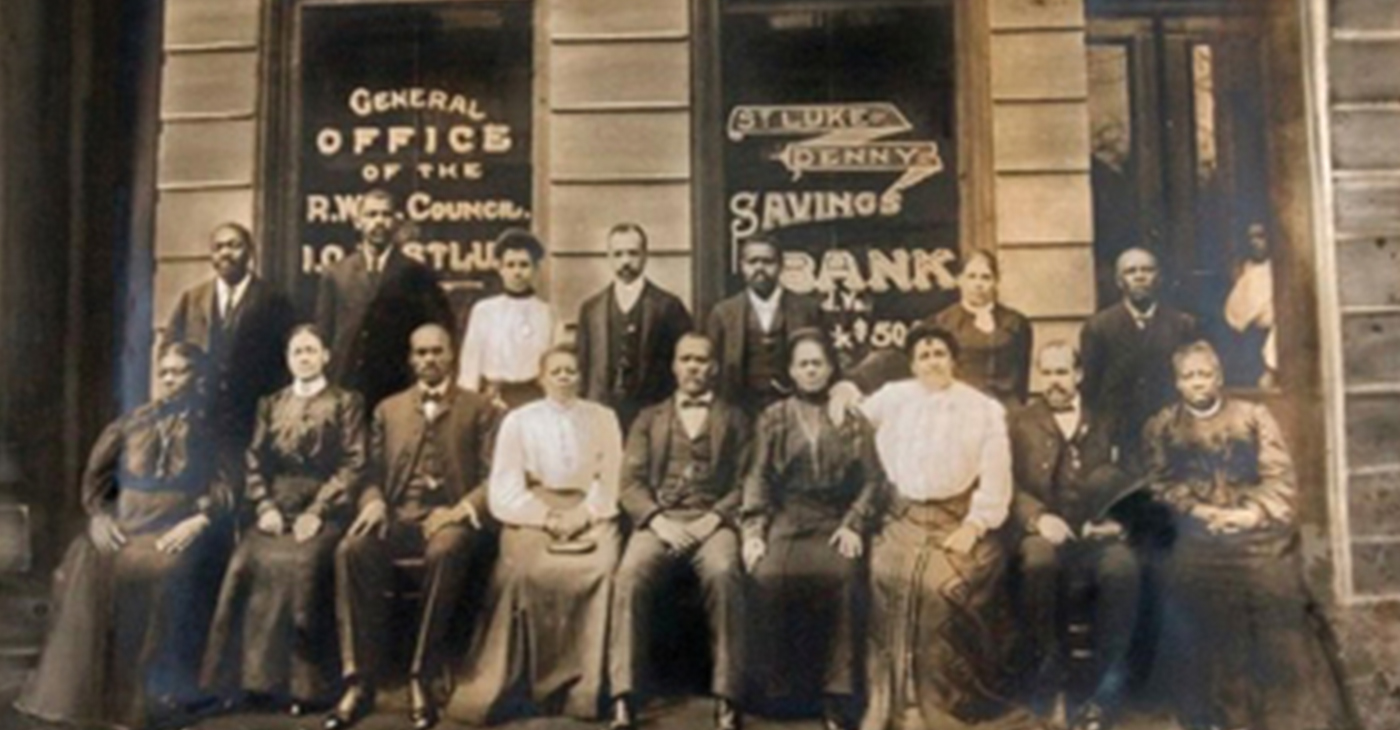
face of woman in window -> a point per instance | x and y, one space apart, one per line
559 377
175 375
810 369
1198 379
977 282
306 356
933 363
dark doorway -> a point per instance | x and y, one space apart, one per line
1178 116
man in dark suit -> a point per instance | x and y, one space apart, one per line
627 332
1127 350
1068 483
681 473
242 323
750 329
371 300
425 497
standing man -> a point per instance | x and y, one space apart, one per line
627 333
508 334
424 497
242 323
369 303
1127 349
681 476
1067 480
749 329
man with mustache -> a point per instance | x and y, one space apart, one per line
627 332
370 301
424 497
241 322
1127 349
1068 479
750 329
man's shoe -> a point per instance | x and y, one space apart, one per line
727 716
420 706
1092 716
834 714
354 705
622 716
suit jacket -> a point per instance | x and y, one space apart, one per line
1128 371
247 354
645 459
465 430
726 327
1091 482
664 320
369 323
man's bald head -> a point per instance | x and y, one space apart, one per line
1138 276
430 354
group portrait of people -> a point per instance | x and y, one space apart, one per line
309 512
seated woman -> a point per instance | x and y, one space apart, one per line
540 644
808 505
133 596
938 618
995 340
1241 643
274 631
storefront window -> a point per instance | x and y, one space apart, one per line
840 142
430 101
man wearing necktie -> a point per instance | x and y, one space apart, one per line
241 322
424 497
681 474
1127 349
371 300
1066 506
750 328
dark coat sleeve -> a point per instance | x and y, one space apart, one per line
759 481
635 495
864 513
100 475
742 440
378 468
337 490
1093 352
1022 347
583 345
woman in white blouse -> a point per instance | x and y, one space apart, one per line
936 639
553 487
508 333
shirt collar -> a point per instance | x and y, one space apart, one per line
376 263
627 294
1205 413
233 294
310 389
438 392
1139 315
988 308
707 398
769 304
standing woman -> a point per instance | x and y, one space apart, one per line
1243 641
995 340
274 632
809 503
134 594
540 643
938 618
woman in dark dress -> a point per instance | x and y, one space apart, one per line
133 597
274 633
1243 643
995 340
808 506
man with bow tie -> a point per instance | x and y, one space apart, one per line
1068 486
241 322
1127 349
681 474
424 497
371 300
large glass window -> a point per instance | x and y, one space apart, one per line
429 100
840 141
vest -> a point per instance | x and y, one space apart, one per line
423 491
689 479
624 350
763 358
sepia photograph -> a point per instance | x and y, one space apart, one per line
691 364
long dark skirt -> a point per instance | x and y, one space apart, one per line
274 631
541 645
806 631
1243 643
128 633
939 628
